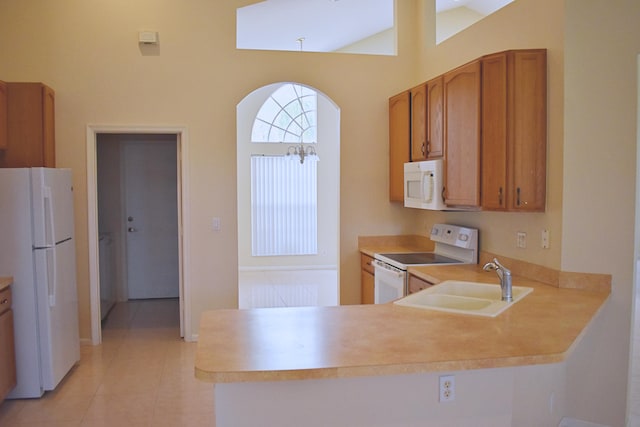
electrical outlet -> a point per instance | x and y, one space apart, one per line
521 239
447 388
545 239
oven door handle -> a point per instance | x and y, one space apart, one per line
388 268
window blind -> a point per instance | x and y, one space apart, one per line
284 199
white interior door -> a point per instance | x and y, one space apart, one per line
151 218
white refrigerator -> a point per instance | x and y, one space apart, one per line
37 248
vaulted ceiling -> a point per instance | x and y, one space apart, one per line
326 25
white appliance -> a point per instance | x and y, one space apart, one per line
424 184
37 248
453 245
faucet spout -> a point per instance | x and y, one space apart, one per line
505 278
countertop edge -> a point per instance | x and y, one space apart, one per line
378 370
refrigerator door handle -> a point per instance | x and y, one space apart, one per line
52 273
50 238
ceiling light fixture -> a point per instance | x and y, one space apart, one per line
300 150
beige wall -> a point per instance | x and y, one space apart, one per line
88 52
602 44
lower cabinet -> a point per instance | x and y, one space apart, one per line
367 279
7 345
3 116
417 284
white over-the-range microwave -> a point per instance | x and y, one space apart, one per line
424 185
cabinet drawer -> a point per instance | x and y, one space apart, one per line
5 300
416 284
365 263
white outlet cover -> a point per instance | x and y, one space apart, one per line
447 388
521 239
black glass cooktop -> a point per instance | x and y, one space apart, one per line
418 258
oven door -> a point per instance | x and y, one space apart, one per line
389 284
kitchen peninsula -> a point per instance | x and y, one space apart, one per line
379 364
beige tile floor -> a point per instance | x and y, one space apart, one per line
141 375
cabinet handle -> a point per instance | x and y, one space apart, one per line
428 148
423 148
500 196
518 198
4 301
443 190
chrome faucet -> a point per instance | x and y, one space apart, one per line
505 278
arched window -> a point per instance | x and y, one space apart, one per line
288 115
284 200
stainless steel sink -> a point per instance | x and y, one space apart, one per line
453 296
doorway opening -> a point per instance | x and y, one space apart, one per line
136 198
633 386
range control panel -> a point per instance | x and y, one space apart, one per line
455 235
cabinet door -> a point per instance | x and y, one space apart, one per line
399 141
367 279
48 127
3 115
528 130
7 354
419 123
494 132
435 118
514 130
367 282
462 135
30 126
417 284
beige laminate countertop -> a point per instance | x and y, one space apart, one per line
5 282
368 340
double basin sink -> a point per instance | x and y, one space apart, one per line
453 296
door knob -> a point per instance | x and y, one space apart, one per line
132 230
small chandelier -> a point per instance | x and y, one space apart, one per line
302 152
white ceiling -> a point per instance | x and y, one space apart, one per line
326 25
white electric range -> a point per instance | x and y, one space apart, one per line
453 245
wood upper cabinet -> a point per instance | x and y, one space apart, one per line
3 115
427 119
514 131
367 279
435 118
399 141
7 345
419 123
30 126
462 113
